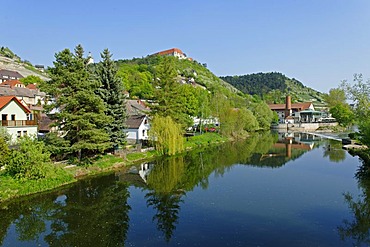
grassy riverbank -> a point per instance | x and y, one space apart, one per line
68 173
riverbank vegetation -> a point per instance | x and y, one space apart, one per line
358 92
87 106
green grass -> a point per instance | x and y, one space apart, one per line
12 188
204 140
139 156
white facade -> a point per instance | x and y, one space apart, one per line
138 134
16 120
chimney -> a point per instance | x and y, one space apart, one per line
288 106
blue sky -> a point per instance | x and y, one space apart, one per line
319 42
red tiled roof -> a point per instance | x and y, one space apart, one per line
11 83
5 100
170 51
31 86
298 106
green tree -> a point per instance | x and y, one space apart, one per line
343 113
263 114
31 79
80 112
167 135
173 99
359 93
336 96
111 91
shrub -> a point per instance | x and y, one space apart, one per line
29 161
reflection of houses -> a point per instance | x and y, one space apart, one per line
137 121
290 146
9 75
145 170
16 118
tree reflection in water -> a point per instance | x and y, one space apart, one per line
333 149
164 183
95 212
358 229
90 213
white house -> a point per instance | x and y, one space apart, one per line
137 128
16 118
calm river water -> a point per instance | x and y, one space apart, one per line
269 190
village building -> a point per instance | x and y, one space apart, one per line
174 52
6 75
137 122
296 112
16 118
30 96
137 129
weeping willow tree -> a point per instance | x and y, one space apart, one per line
167 135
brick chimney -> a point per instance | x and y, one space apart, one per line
288 106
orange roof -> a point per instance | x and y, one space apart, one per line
31 86
11 83
5 100
297 106
170 51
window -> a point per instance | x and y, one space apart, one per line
24 132
146 121
143 133
4 117
19 134
12 117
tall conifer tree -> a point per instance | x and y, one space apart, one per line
111 91
79 111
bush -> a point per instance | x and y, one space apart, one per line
4 152
30 161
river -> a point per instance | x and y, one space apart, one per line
268 190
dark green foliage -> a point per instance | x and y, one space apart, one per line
173 99
260 83
58 147
111 92
273 87
4 151
81 112
29 161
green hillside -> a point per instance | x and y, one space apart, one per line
139 73
274 86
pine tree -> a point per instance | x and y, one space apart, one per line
173 99
111 92
80 112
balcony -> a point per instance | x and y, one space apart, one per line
18 123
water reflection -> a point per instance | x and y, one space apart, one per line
334 151
358 227
95 212
91 213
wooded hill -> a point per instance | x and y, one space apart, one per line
273 87
138 75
